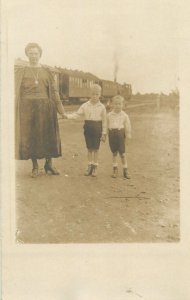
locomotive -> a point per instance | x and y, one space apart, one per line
75 86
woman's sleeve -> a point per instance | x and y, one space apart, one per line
55 95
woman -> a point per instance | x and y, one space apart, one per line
37 102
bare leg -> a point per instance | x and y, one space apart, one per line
115 164
124 160
89 168
89 156
124 163
95 163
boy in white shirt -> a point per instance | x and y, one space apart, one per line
119 129
95 127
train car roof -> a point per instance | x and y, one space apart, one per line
118 83
109 81
77 73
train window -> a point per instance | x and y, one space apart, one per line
73 80
84 82
80 82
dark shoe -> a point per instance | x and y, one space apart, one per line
34 173
115 172
125 174
88 171
49 168
94 171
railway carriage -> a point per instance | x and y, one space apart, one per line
75 86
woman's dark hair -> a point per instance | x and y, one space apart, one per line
33 45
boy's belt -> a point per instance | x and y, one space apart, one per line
116 128
92 121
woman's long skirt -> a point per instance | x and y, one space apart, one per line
39 129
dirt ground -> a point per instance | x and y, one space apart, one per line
72 208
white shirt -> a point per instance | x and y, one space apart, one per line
118 121
93 112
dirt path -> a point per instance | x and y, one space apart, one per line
74 208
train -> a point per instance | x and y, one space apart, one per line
75 86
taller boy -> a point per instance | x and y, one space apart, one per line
95 127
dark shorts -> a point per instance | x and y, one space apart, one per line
117 140
92 133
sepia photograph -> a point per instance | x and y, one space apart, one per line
94 150
96 123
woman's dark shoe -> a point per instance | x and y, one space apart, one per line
88 171
49 168
34 173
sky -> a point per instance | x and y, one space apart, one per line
140 36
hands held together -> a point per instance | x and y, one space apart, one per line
64 116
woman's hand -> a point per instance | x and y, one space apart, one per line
64 116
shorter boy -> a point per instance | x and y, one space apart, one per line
119 129
95 127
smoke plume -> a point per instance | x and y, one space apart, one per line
116 65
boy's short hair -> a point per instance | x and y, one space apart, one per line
96 87
118 97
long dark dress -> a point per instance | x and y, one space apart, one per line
39 130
